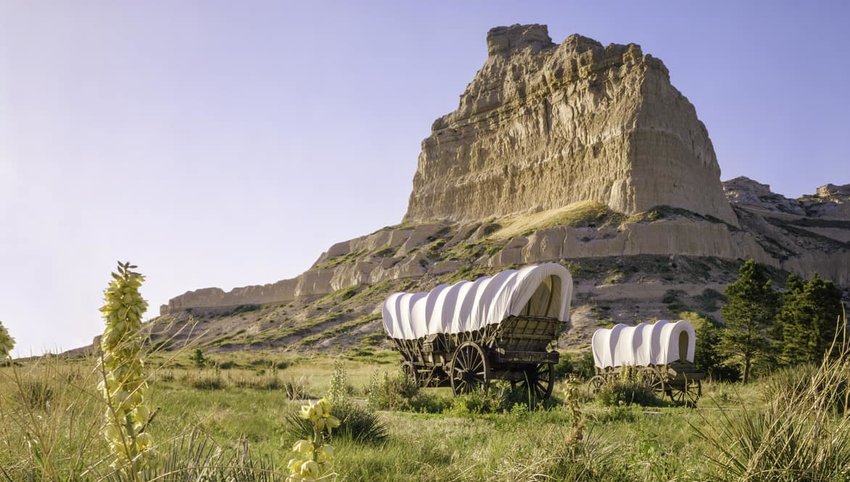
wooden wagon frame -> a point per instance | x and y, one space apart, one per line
679 380
516 350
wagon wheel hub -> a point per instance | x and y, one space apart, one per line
470 369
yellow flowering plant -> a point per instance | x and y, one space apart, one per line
123 383
313 457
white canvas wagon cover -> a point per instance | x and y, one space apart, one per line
543 290
646 344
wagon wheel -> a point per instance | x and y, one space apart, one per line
469 369
409 372
653 380
541 378
686 394
595 384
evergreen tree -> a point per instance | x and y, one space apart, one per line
748 314
792 333
6 342
809 318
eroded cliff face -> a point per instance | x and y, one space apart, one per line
545 125
573 153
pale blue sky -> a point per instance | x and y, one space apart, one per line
222 143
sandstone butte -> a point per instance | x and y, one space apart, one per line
573 152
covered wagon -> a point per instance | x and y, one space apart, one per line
497 327
660 355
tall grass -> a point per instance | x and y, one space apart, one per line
801 433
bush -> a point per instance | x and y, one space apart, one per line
564 368
36 394
397 392
627 392
478 402
391 392
296 388
585 368
358 424
205 382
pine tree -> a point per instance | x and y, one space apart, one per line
793 336
748 314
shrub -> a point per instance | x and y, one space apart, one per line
36 394
585 368
205 382
296 388
564 367
7 343
627 392
198 358
359 424
392 392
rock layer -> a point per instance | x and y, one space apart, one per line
544 125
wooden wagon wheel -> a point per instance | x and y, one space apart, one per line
469 369
595 384
686 394
541 378
409 372
652 379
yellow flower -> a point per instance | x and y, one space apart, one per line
304 447
326 453
310 469
294 466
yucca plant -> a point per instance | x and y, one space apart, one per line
801 434
123 383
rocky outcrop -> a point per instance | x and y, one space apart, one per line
544 128
544 125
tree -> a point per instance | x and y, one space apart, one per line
809 318
199 358
6 342
749 311
792 335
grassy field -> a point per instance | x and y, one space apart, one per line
50 414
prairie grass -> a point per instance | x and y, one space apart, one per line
51 415
800 433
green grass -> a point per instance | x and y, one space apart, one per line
618 443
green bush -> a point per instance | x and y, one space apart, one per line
358 424
478 402
397 392
564 368
391 392
627 392
205 382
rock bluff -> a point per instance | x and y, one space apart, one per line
544 125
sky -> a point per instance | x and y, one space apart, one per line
221 143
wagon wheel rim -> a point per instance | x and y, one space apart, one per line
541 378
687 394
653 380
596 384
469 369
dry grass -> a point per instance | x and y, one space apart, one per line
582 213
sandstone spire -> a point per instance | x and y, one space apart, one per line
544 125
